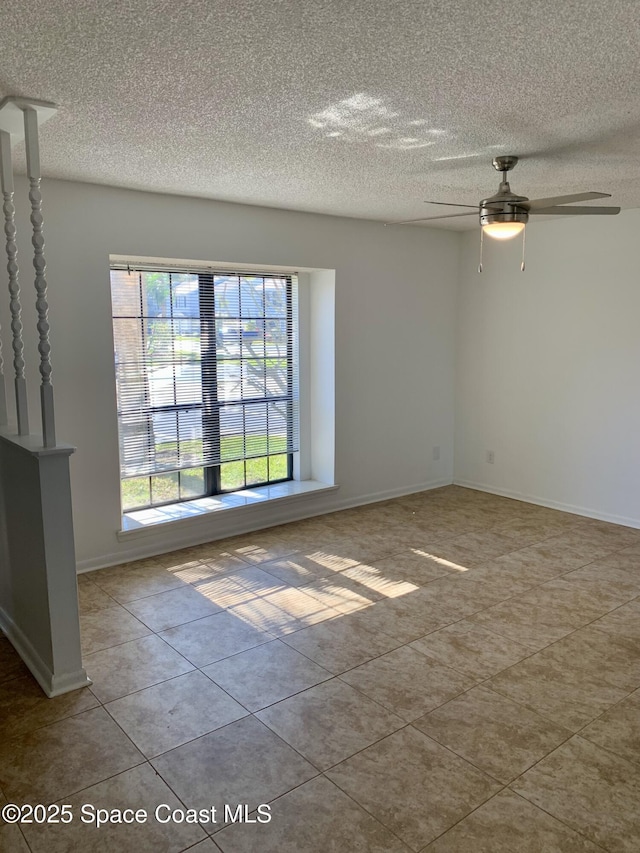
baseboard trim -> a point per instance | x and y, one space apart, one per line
52 684
585 512
160 541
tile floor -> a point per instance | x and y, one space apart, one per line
448 672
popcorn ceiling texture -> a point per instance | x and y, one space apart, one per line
353 107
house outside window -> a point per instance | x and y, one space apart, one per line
207 381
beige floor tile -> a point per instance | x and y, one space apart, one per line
403 619
536 564
589 789
456 555
11 664
111 626
490 731
494 542
534 529
630 550
489 578
260 547
328 555
618 729
298 569
591 544
139 788
329 722
540 563
308 530
607 580
352 523
407 682
125 583
363 546
544 614
243 762
471 649
508 823
624 621
91 597
317 545
12 840
174 712
133 666
412 785
214 638
238 586
267 674
24 706
407 535
611 658
223 590
315 818
414 565
175 607
339 644
57 760
197 570
559 691
461 595
287 610
219 550
628 560
373 584
615 535
342 593
263 615
436 528
473 549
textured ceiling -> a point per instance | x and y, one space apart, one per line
354 107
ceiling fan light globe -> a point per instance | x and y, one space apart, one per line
503 230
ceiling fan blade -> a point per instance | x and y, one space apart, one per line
552 201
450 204
427 218
576 211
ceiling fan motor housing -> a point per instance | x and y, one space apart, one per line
504 206
502 212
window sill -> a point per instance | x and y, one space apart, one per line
147 520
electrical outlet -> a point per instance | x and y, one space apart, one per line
436 454
491 457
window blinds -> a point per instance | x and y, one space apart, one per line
206 367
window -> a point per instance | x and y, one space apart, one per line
207 381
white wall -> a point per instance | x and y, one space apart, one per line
548 367
394 329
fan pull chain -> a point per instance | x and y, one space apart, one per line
524 231
481 245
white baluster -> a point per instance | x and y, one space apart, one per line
42 306
6 175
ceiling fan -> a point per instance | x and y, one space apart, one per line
505 214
